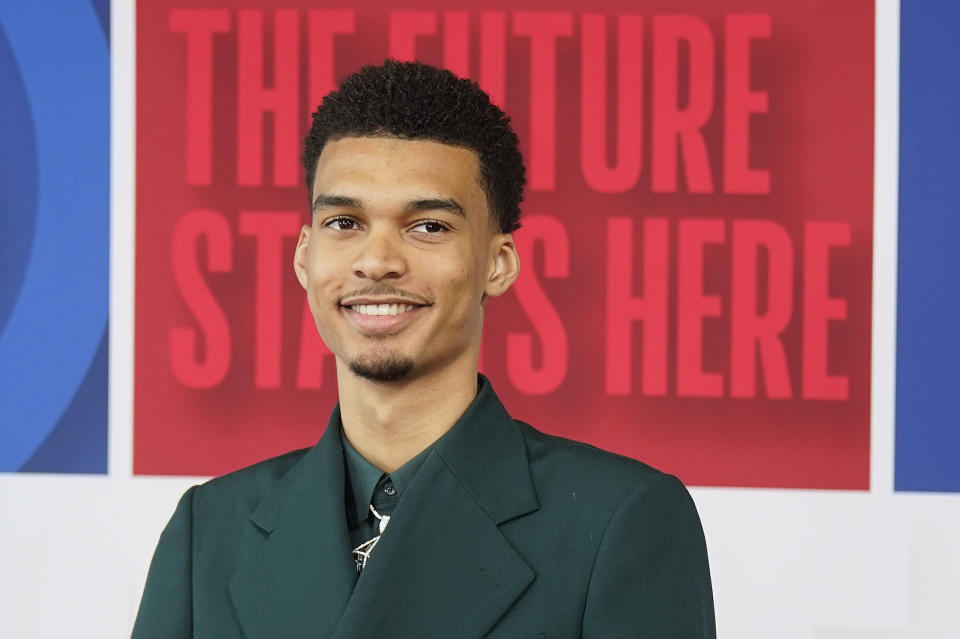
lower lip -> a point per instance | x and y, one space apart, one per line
380 324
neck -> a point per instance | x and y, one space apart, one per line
389 423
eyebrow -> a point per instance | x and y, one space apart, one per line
450 205
325 200
436 204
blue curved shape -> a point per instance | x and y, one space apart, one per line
18 181
102 7
78 443
54 329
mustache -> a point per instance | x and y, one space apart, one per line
385 290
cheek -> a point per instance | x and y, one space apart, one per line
324 273
323 292
465 287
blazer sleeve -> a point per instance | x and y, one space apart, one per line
166 609
651 577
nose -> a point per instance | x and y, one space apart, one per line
380 257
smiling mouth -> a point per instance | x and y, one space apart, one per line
380 320
382 309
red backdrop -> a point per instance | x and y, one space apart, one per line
697 238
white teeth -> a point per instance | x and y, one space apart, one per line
382 309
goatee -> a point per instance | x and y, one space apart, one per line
382 367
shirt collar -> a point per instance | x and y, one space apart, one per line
364 476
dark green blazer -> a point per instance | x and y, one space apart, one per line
505 532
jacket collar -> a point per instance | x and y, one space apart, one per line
296 571
443 564
486 453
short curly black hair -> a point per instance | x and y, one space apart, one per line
416 101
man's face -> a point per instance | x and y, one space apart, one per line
400 255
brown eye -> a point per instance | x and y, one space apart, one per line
430 227
342 224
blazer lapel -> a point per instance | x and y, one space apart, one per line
443 568
298 573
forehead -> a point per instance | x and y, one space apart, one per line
383 167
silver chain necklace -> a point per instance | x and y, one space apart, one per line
362 552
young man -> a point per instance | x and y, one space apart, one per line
424 510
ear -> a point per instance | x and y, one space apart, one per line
300 255
504 265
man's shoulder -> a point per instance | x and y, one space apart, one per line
244 488
541 445
566 464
